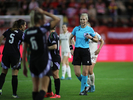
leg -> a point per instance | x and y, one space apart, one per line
44 82
14 82
91 78
68 70
64 61
49 93
84 77
57 83
2 78
35 81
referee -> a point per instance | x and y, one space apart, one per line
81 54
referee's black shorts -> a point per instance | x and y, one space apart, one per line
81 56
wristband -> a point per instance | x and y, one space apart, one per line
71 47
92 38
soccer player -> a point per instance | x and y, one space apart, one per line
53 46
65 51
82 52
11 54
94 50
35 37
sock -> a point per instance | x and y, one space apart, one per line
14 84
89 81
57 85
40 95
49 87
34 94
2 79
80 77
63 70
83 83
92 78
68 70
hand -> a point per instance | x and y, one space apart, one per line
25 71
39 10
87 36
71 52
97 52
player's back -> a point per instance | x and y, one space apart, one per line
13 41
37 42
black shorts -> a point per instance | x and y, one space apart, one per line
8 60
81 56
55 65
39 67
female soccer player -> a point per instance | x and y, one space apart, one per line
65 51
11 54
35 37
53 46
94 50
82 53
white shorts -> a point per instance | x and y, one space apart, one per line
65 54
93 58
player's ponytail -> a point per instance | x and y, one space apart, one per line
15 26
38 16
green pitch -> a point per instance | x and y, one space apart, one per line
114 81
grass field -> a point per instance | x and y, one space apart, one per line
114 81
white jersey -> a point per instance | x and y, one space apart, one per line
94 45
64 38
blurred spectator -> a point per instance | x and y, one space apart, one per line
83 9
129 7
92 21
3 7
113 9
45 4
119 23
24 8
110 22
71 11
91 11
33 4
54 4
130 22
100 8
121 7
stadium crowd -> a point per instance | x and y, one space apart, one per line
112 13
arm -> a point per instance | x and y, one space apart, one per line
24 60
70 39
55 20
101 45
73 41
1 38
95 39
52 47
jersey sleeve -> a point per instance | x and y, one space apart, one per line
74 31
45 28
24 37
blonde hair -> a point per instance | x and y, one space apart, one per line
84 14
32 13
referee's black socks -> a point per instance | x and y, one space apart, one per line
14 84
57 85
2 79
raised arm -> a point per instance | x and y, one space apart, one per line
55 20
